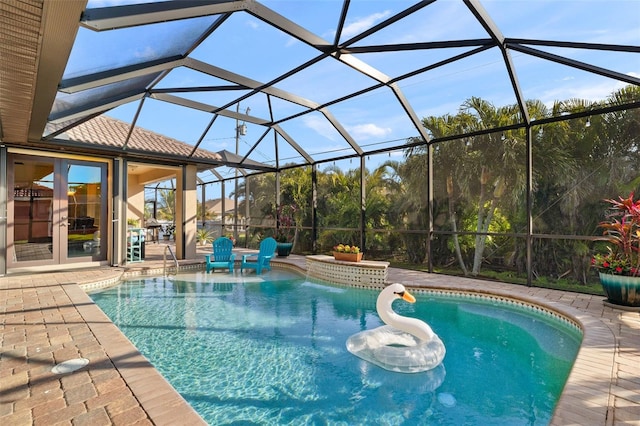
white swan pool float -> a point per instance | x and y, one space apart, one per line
406 345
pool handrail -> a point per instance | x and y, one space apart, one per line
164 265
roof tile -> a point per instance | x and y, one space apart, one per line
108 131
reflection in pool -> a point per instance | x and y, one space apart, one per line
270 349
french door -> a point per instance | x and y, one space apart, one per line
56 210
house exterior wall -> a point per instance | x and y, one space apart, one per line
135 199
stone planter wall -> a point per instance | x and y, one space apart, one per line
370 274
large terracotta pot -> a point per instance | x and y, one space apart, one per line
349 257
620 289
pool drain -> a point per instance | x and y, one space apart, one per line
69 366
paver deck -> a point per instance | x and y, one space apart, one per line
48 318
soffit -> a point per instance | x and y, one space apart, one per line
20 22
36 37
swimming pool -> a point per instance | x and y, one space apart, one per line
271 350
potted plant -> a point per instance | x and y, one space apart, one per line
347 252
619 266
286 230
204 236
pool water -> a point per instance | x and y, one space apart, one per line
270 349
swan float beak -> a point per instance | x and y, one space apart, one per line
407 297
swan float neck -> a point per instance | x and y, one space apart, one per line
406 345
413 326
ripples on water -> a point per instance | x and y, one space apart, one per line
244 350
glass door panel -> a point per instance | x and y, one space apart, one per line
56 210
84 209
33 209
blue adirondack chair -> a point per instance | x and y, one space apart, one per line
222 256
261 260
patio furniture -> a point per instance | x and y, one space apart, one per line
154 226
135 244
222 256
261 260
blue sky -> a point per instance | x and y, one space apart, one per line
248 46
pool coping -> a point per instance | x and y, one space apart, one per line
601 389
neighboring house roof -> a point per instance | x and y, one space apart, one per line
111 132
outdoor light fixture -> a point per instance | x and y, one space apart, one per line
588 123
503 137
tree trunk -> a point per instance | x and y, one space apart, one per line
454 226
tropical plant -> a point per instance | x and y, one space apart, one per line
345 248
204 236
167 204
477 171
286 230
622 229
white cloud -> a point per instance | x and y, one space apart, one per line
588 90
146 52
360 24
358 132
322 127
366 131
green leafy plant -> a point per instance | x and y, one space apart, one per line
622 229
204 236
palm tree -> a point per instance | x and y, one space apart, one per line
497 160
261 199
339 205
295 195
167 204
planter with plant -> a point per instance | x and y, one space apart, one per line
347 253
204 236
619 266
286 230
